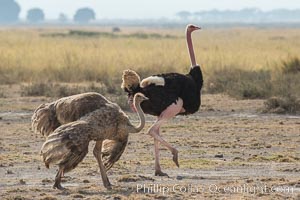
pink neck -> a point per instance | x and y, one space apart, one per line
190 47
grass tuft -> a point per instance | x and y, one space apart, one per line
291 66
240 83
58 89
281 105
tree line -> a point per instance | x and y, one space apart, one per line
252 15
10 10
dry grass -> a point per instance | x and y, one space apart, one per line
29 56
243 62
283 105
252 84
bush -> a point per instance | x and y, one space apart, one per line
58 90
282 105
291 66
283 82
35 89
286 85
285 89
240 83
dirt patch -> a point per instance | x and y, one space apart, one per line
225 147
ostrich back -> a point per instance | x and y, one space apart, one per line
71 108
47 117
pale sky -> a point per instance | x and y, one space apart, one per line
129 9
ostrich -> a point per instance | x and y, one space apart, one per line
85 117
169 95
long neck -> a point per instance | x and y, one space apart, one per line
141 114
190 47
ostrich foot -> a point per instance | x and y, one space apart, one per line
58 186
160 173
175 157
108 185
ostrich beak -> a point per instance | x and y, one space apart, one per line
145 98
197 27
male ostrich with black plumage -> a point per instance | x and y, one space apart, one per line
169 95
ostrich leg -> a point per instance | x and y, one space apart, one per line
58 179
170 112
97 154
158 171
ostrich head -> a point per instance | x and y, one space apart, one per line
190 28
139 97
136 101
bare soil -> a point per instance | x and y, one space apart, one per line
228 150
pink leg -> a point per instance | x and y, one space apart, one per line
158 171
156 151
170 112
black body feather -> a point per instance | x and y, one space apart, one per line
187 87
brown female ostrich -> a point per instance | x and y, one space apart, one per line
85 117
169 95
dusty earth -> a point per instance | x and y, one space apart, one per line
228 150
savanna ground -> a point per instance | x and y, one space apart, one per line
230 144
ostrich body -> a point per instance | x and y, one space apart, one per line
169 95
98 119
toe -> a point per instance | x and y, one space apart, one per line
175 159
58 186
160 173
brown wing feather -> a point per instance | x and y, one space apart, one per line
44 120
47 117
72 108
67 146
112 151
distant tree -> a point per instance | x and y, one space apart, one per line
84 15
63 18
184 15
9 11
35 15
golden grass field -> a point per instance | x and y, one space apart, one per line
29 55
228 144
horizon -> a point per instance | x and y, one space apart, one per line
134 9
